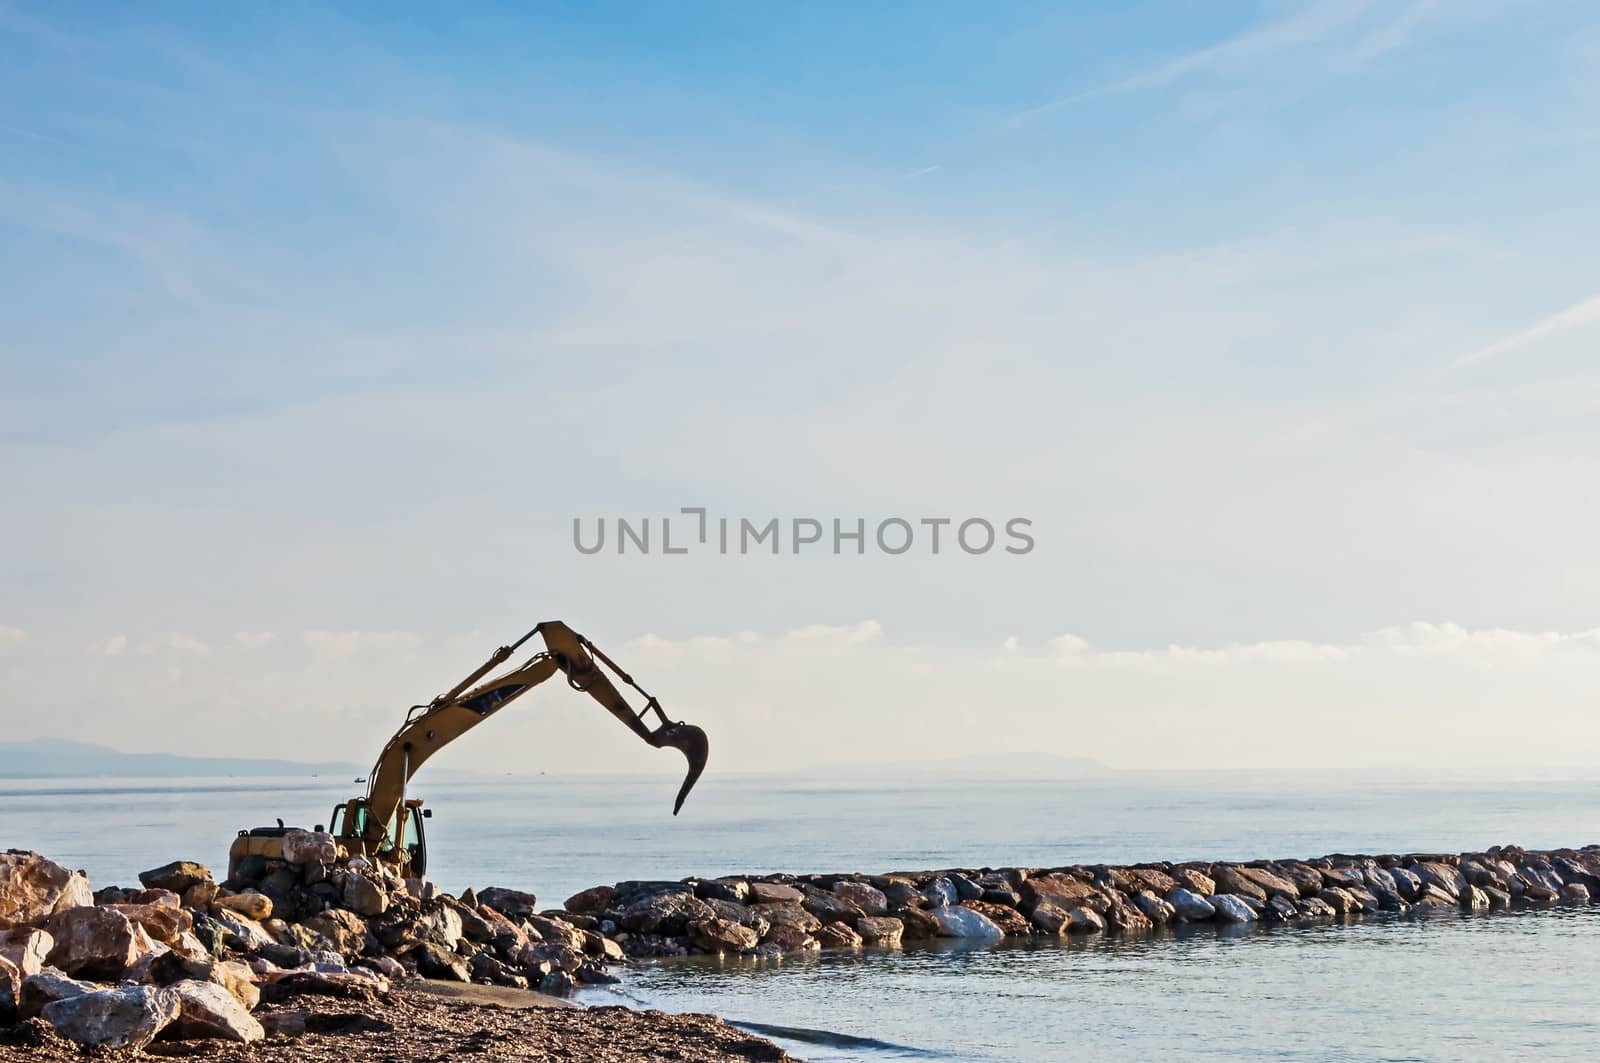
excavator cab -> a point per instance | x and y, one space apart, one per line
349 824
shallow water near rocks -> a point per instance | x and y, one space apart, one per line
1504 985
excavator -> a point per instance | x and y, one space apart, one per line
387 826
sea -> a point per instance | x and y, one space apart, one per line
1503 985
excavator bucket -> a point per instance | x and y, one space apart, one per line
691 741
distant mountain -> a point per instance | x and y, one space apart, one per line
60 758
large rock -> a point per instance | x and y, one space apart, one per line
830 908
722 935
10 985
941 893
1063 891
665 913
1190 905
1049 918
309 847
33 888
868 898
917 924
958 922
883 931
789 915
513 904
1154 908
26 949
1231 879
1230 909
1195 881
736 890
364 896
791 939
838 936
206 1009
1447 879
97 942
1011 922
347 930
1085 920
774 893
436 962
250 903
162 922
46 987
589 901
114 1018
177 876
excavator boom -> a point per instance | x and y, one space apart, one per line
429 728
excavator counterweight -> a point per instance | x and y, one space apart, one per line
385 825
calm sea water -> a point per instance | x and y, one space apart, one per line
1507 985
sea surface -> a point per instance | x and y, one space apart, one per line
1519 985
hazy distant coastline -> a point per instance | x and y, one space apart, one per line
56 758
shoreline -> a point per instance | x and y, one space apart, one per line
306 953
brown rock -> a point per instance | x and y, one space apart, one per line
207 1010
251 904
869 899
32 888
880 930
1231 879
838 936
722 935
1050 918
1158 882
176 876
97 942
1063 891
917 925
830 908
1011 922
589 901
514 904
347 930
25 948
783 914
665 913
1274 884
162 922
1083 920
1195 881
774 893
791 939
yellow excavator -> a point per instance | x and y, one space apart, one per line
386 826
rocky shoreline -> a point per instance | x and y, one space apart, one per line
184 959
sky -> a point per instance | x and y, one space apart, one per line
1276 321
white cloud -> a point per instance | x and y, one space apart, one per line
111 646
254 640
349 643
8 633
183 643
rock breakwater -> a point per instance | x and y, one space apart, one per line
773 915
185 957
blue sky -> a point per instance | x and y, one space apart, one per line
1277 318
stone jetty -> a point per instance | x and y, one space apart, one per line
184 957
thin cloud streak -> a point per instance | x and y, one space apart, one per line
1577 316
1309 26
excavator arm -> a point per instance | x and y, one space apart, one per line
431 727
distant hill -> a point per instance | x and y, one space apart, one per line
59 758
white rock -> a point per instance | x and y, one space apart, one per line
114 1018
1231 909
206 1009
958 922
